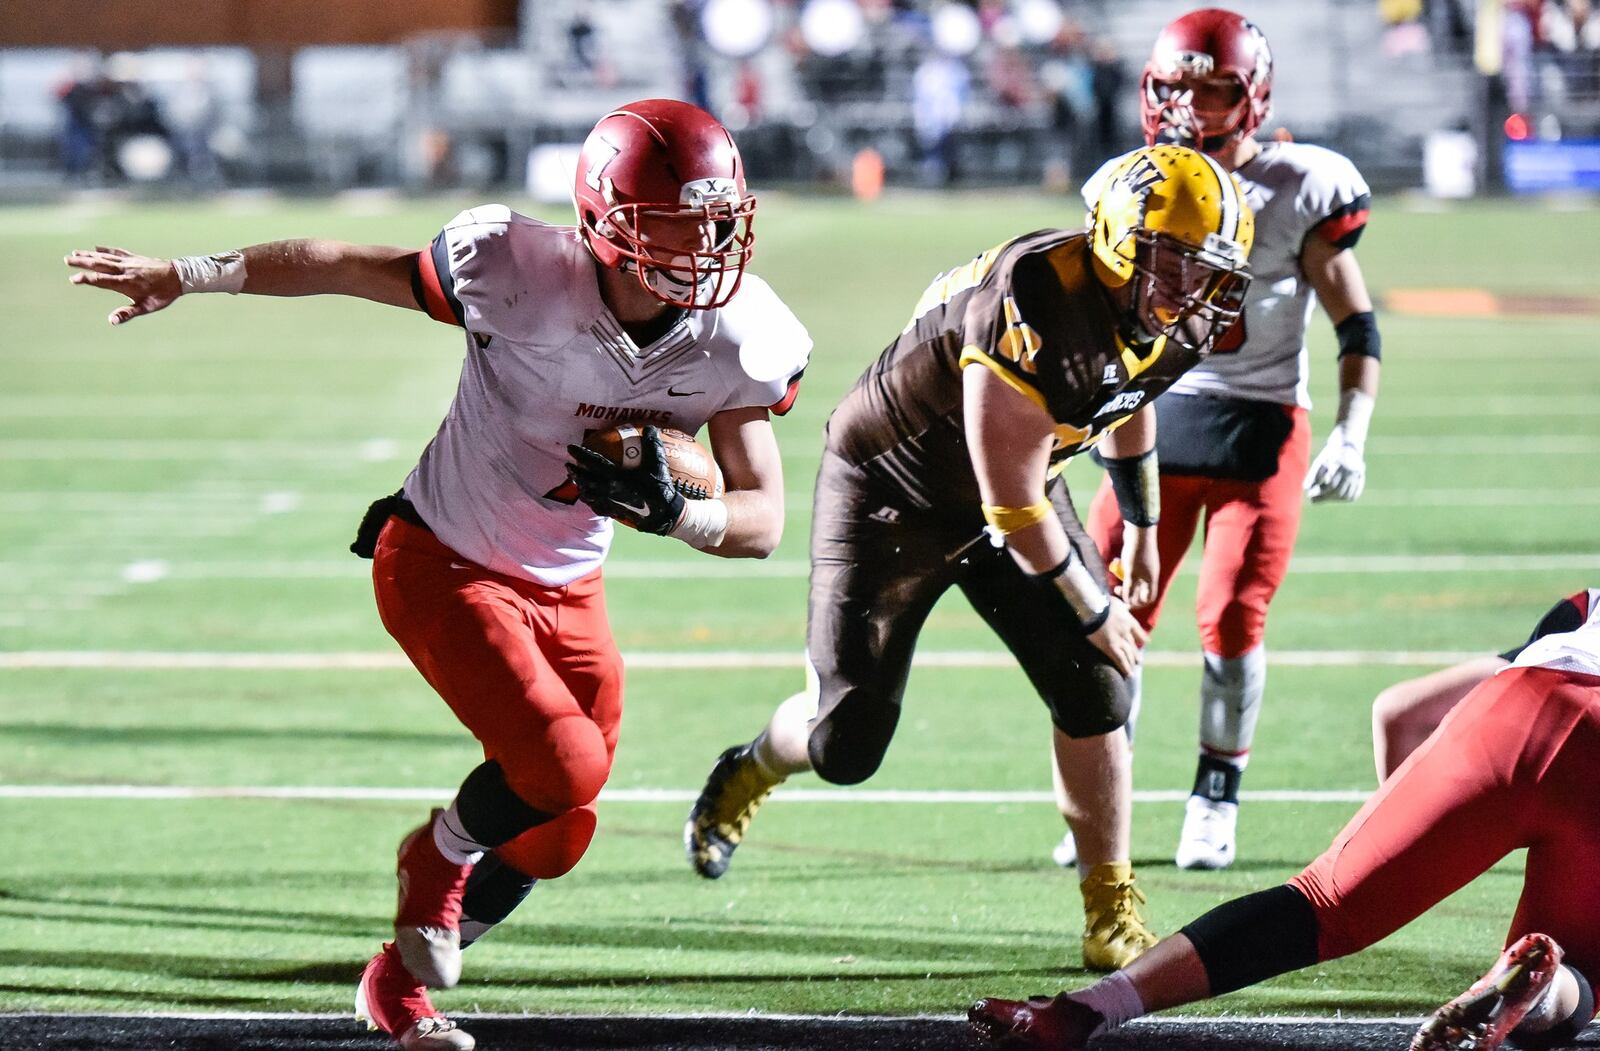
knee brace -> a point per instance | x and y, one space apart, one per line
1231 689
490 811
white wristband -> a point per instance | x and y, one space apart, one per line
704 523
221 272
1355 415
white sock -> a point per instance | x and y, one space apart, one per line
1230 703
1114 998
450 836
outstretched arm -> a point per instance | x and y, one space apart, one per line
303 267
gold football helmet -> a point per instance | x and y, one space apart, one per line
1173 221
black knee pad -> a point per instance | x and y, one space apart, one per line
847 744
1095 702
1256 937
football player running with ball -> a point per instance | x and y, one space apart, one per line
487 563
1011 364
1235 435
1513 765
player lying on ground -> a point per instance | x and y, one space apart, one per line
1235 434
487 564
1009 366
1513 765
1406 713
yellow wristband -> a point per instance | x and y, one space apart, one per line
1008 520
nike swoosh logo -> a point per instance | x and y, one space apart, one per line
641 512
674 392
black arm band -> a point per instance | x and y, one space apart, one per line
1137 482
1358 334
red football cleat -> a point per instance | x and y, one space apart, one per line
388 998
1041 1023
1483 1016
427 923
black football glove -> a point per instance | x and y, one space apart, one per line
644 497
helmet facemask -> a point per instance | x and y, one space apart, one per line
1207 114
1192 296
691 256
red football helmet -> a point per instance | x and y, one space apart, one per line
1208 82
660 191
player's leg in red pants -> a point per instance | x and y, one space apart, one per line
1513 765
531 671
1250 533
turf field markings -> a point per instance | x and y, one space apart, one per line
898 796
754 1018
146 571
709 660
26 573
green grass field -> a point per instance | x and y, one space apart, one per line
188 484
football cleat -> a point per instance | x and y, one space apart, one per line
734 791
1114 934
1044 1023
1482 1017
1065 853
1207 840
390 1000
427 922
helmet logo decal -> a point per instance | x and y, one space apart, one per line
698 193
605 153
1138 180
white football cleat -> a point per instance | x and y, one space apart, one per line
1065 853
1207 841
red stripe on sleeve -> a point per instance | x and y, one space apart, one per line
432 291
782 407
1339 227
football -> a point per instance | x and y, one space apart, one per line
692 468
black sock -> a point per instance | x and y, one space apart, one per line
493 890
1253 938
1217 780
490 812
1564 1032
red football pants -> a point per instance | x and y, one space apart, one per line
1249 535
531 670
1515 764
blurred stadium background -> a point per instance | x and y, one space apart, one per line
484 93
207 745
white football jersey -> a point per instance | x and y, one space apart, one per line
545 363
1577 650
1296 190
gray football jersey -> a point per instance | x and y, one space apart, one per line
546 362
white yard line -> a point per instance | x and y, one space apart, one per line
26 575
707 660
634 795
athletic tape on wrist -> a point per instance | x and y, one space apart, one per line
220 272
704 523
1087 599
1355 415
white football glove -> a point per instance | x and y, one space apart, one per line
1340 470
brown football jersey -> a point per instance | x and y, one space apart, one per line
1031 310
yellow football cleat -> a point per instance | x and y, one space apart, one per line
734 791
1114 934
